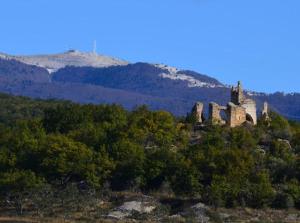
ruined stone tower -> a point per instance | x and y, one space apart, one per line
238 111
265 112
238 98
197 111
237 94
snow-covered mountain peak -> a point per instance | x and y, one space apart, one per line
53 62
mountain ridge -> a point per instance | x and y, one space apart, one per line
54 62
129 84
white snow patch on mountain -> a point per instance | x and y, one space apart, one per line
53 62
253 93
173 74
168 68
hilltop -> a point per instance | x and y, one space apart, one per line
86 77
54 62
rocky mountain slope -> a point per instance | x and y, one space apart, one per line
92 78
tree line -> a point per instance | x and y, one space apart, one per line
56 144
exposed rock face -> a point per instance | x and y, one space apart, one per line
130 207
200 212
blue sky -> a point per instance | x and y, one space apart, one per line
255 41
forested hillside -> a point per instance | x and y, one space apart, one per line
47 146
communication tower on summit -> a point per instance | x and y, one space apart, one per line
95 47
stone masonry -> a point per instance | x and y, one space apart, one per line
265 113
215 113
238 98
236 115
198 112
239 111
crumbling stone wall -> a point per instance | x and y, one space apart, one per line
197 111
238 98
215 113
238 111
250 107
236 115
265 112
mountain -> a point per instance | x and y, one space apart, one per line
70 58
14 71
91 78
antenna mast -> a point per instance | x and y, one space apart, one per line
95 47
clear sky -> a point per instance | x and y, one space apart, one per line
255 41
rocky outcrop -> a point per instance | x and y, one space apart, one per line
200 212
130 207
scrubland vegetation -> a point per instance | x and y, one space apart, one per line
59 157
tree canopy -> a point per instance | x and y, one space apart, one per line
59 143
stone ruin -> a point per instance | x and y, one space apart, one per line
215 113
238 111
197 111
265 113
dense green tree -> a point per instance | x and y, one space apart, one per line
152 128
63 118
64 159
261 191
279 126
164 165
129 160
292 188
71 147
